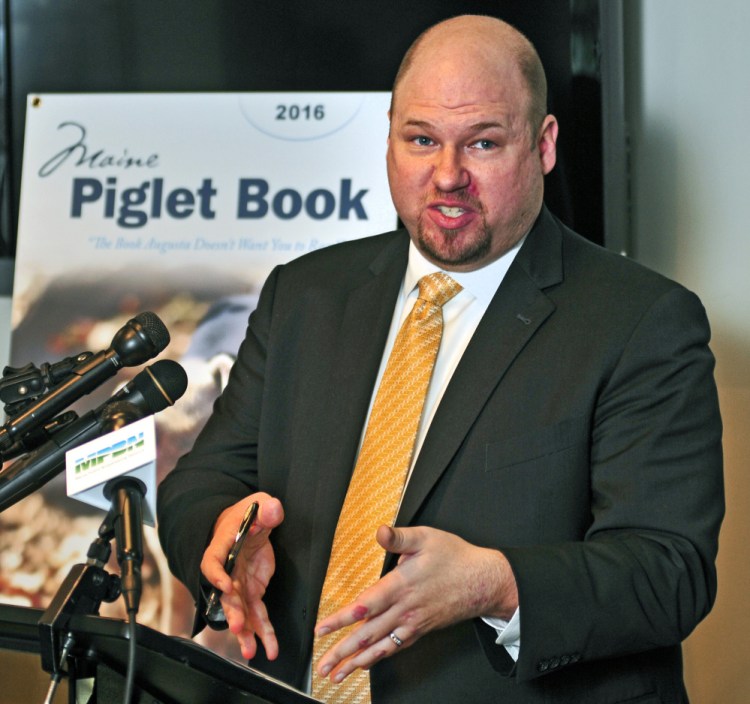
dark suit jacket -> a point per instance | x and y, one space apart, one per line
580 435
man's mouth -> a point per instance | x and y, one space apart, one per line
452 212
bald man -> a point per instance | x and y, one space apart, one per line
556 534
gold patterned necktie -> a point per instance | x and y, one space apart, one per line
378 480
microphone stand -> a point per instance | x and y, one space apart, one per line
87 585
82 592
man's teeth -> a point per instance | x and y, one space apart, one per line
450 212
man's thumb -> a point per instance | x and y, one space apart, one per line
397 540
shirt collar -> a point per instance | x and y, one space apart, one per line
481 284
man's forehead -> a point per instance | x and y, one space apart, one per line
460 88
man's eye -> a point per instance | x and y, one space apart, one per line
484 144
422 141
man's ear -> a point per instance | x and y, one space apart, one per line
547 143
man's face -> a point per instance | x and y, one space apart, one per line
465 171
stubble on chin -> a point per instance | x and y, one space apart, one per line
445 247
454 248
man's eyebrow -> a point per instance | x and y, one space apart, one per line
490 125
476 127
417 123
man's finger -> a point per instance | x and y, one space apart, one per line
264 629
398 541
270 513
212 568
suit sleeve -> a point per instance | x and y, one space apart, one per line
644 574
222 467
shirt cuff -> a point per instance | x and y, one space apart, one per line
508 633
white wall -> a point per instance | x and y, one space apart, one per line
4 331
689 100
6 286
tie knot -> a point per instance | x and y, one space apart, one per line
438 288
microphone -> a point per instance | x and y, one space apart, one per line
126 494
140 339
118 471
150 391
39 435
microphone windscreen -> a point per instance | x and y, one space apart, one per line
163 384
140 339
154 329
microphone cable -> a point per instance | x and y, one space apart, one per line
127 695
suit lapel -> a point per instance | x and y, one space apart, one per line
366 313
516 312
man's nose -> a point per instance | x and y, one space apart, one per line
450 172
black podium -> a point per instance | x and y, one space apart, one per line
169 670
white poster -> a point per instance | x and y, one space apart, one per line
219 187
179 204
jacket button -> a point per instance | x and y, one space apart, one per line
543 666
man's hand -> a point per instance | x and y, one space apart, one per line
242 593
440 580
